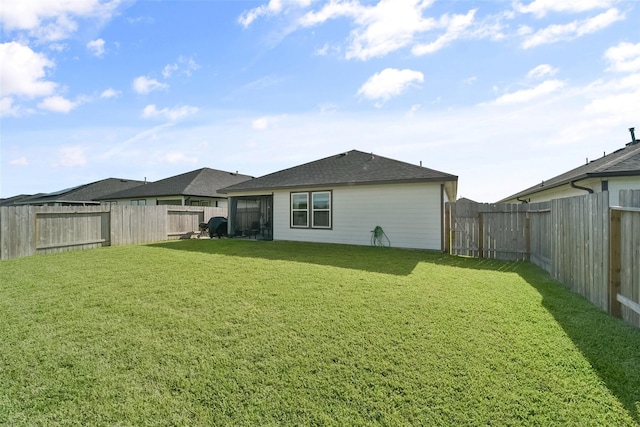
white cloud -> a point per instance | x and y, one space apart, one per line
412 111
168 70
185 65
524 30
617 96
58 104
260 124
387 25
327 108
23 71
265 122
20 161
174 157
328 49
625 57
540 8
272 8
526 95
110 93
455 25
172 114
144 85
57 47
72 156
96 47
380 29
572 30
542 71
53 20
7 108
470 80
389 82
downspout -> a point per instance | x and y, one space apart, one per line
577 187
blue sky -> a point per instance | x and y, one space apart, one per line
503 94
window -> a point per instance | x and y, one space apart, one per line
316 214
321 210
138 202
300 209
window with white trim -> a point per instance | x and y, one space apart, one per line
300 210
311 209
321 209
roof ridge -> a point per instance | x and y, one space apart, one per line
615 160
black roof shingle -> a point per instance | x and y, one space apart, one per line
203 182
86 193
351 168
622 162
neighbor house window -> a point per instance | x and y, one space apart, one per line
138 202
311 209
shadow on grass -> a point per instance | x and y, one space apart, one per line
611 346
372 259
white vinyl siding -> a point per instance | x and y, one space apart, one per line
409 214
621 183
615 185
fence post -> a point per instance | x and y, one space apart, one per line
527 237
480 236
447 228
614 262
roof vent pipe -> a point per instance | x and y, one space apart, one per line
633 135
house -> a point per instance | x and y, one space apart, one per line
82 195
15 200
617 171
195 188
342 198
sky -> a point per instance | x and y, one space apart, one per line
503 94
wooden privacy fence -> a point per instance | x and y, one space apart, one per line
585 244
31 230
624 258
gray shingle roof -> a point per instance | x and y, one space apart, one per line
19 199
203 182
350 168
83 193
622 162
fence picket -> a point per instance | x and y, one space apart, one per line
570 238
30 230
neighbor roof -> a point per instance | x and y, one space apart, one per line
622 162
86 193
15 200
351 168
203 182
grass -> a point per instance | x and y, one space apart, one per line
229 332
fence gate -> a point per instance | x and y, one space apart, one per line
484 230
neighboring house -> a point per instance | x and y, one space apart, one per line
13 201
342 198
82 195
617 171
195 188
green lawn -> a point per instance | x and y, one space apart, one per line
231 332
